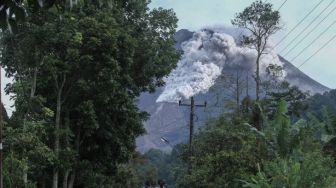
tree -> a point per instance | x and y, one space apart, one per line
13 12
295 98
90 65
277 89
261 21
325 124
287 154
327 99
224 152
299 160
311 170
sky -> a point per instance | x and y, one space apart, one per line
6 98
197 14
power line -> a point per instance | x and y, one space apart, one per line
317 51
314 40
282 4
296 26
311 31
310 24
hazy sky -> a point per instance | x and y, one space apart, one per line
195 14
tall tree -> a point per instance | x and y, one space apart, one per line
261 21
97 59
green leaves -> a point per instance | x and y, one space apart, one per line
300 161
10 13
283 154
312 170
223 153
259 16
97 60
14 12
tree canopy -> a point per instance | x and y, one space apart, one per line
77 76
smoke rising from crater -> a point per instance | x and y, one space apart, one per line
205 57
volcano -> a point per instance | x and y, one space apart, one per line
170 121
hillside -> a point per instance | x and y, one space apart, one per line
171 121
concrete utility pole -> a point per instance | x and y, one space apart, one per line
191 120
247 84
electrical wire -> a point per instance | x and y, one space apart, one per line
310 32
326 44
282 4
310 24
301 21
319 36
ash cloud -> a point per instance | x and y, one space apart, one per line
206 55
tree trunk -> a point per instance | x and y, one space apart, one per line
25 172
33 88
237 91
57 128
31 96
72 179
65 178
41 183
247 84
66 125
77 146
257 78
257 115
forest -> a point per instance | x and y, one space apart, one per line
78 69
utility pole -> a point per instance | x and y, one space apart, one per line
247 84
191 120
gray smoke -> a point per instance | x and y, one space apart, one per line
205 57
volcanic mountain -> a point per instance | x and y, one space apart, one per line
170 121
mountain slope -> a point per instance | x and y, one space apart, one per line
297 77
170 121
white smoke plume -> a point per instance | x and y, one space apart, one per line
205 56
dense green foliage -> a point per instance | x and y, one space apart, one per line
229 152
77 75
300 160
223 153
13 12
327 99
